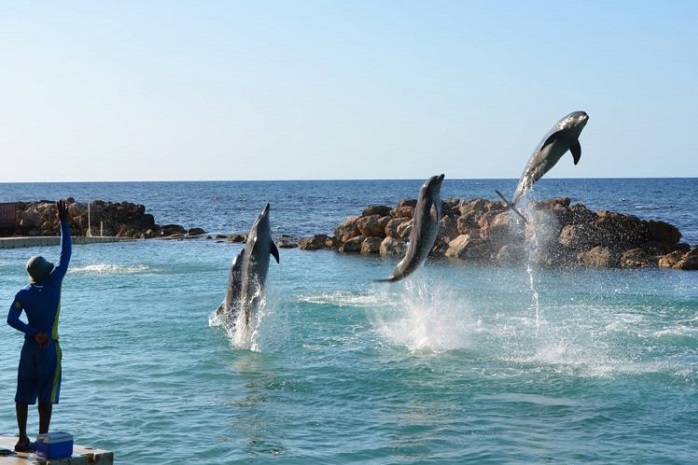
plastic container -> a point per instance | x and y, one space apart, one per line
53 446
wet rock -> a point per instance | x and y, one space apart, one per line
671 260
236 238
196 232
351 246
599 257
372 226
317 242
347 230
448 228
380 210
680 260
404 211
393 227
660 231
392 247
371 246
466 247
637 258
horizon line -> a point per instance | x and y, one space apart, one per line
331 180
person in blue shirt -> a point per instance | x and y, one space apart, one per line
39 372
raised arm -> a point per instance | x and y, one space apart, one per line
66 244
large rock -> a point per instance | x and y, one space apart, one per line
600 257
663 232
372 226
680 260
393 227
392 247
380 210
317 242
466 247
371 246
352 246
636 258
347 229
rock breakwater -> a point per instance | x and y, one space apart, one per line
558 233
116 219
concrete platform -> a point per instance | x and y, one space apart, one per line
39 241
81 455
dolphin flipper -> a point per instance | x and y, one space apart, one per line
274 252
576 150
552 138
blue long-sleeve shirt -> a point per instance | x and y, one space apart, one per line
41 301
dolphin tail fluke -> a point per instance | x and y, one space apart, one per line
511 206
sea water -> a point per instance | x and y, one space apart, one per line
452 365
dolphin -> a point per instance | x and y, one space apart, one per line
228 310
425 227
255 264
562 137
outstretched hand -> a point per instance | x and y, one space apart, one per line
62 207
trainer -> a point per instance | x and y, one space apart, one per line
39 372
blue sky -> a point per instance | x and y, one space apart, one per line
233 90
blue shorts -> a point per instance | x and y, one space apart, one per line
39 373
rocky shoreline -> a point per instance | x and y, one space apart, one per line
115 219
558 233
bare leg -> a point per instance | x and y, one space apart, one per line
23 444
45 410
22 412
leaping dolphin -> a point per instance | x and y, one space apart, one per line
228 310
255 264
562 137
425 228
248 274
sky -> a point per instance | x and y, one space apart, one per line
363 89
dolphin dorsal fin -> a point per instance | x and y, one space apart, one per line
274 251
576 150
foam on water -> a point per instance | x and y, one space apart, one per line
111 269
343 299
424 317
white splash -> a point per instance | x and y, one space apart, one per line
267 330
110 269
426 318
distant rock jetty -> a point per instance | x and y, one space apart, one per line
114 219
558 233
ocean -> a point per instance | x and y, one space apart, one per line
459 363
